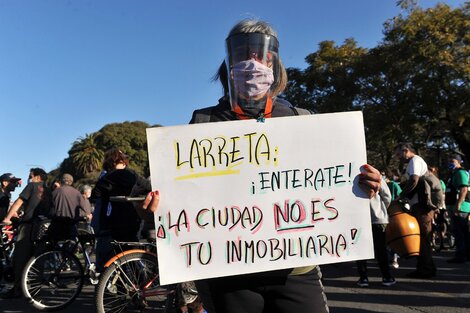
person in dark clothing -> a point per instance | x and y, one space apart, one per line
35 201
68 201
68 205
118 220
416 171
252 78
458 204
8 184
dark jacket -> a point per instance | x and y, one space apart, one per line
120 218
36 201
223 111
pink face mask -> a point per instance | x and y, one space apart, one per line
252 78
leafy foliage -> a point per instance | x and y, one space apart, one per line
329 84
130 137
412 87
86 155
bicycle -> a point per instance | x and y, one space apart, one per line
130 282
7 246
442 237
53 280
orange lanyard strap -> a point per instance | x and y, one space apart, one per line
267 110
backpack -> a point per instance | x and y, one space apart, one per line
430 193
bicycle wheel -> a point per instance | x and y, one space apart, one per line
437 240
52 280
448 239
131 284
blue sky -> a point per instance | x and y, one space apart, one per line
67 68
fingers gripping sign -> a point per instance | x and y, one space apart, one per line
369 180
151 201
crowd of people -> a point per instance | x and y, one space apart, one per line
252 77
426 197
62 205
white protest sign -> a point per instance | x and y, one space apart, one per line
245 196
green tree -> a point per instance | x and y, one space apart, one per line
407 4
329 83
131 138
86 156
414 86
433 45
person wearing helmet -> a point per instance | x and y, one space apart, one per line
8 184
252 77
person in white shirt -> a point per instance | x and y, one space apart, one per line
416 169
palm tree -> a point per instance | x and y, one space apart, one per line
86 156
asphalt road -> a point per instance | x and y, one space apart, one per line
449 291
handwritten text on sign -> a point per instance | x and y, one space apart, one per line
245 196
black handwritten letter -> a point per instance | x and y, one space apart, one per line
332 209
221 152
178 160
235 152
206 149
337 177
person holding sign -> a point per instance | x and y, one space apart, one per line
252 77
379 217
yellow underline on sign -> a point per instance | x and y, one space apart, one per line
228 171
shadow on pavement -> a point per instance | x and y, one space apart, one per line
448 291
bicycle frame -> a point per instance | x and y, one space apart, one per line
64 253
7 247
146 292
115 260
120 255
78 245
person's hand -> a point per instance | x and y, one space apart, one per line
6 221
369 180
151 201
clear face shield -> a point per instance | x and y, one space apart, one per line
253 69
